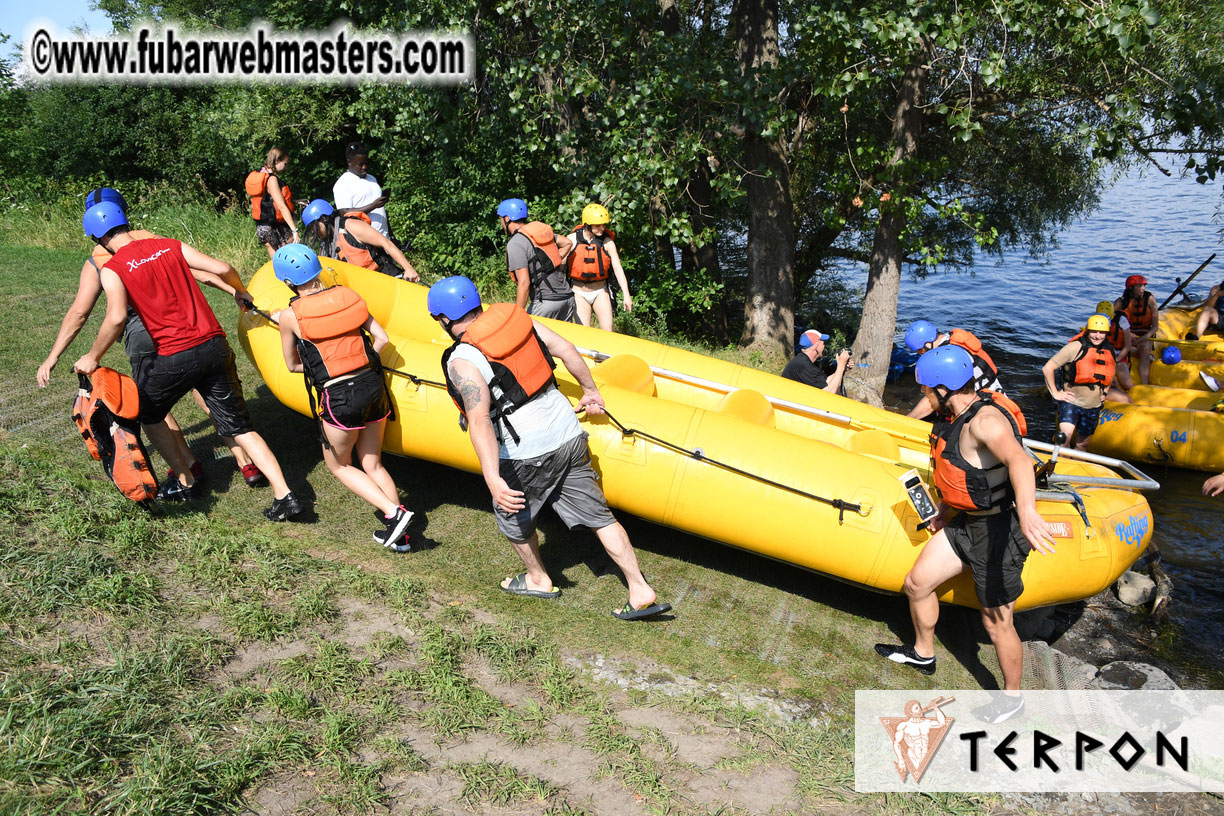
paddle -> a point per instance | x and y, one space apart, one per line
1182 284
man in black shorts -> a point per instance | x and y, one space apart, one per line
981 470
158 276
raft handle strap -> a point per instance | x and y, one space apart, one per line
841 505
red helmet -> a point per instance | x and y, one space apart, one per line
1135 280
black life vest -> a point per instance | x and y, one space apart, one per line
522 365
962 485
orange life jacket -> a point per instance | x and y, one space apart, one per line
332 342
105 412
589 262
969 342
545 259
263 208
522 366
1138 312
962 485
364 255
1092 367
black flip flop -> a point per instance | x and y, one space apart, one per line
629 613
518 586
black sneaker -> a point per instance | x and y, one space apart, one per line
394 537
1191 336
283 509
1000 708
175 491
907 656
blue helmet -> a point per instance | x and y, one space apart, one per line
100 194
513 208
1171 355
101 218
315 210
919 334
452 297
296 264
949 366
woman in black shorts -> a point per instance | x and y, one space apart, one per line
328 334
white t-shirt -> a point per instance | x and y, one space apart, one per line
352 191
543 425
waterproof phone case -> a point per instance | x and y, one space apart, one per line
919 497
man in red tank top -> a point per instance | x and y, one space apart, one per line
159 278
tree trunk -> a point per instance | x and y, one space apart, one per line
879 323
769 307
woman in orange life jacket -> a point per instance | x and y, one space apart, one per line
353 239
136 342
1087 366
1120 340
983 471
589 264
272 203
324 335
1143 315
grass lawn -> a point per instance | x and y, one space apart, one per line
201 659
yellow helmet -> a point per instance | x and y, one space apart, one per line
1098 322
1106 308
593 214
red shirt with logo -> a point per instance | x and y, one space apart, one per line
160 286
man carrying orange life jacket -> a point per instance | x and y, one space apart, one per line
922 336
159 277
535 258
1087 366
981 470
532 450
1143 315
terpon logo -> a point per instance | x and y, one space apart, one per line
1133 531
1109 416
916 737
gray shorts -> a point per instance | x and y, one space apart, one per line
556 309
563 479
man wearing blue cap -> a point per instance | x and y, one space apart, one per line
810 368
535 258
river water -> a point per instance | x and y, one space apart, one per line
1024 309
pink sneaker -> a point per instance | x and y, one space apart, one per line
254 476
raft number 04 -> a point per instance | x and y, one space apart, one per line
1174 436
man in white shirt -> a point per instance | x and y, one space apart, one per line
358 191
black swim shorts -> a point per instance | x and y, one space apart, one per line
208 368
350 404
995 550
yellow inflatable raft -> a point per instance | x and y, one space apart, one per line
781 469
1168 426
1196 375
1174 323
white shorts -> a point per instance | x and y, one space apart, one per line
591 295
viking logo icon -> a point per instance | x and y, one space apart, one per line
916 737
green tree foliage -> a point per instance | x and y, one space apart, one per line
686 119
